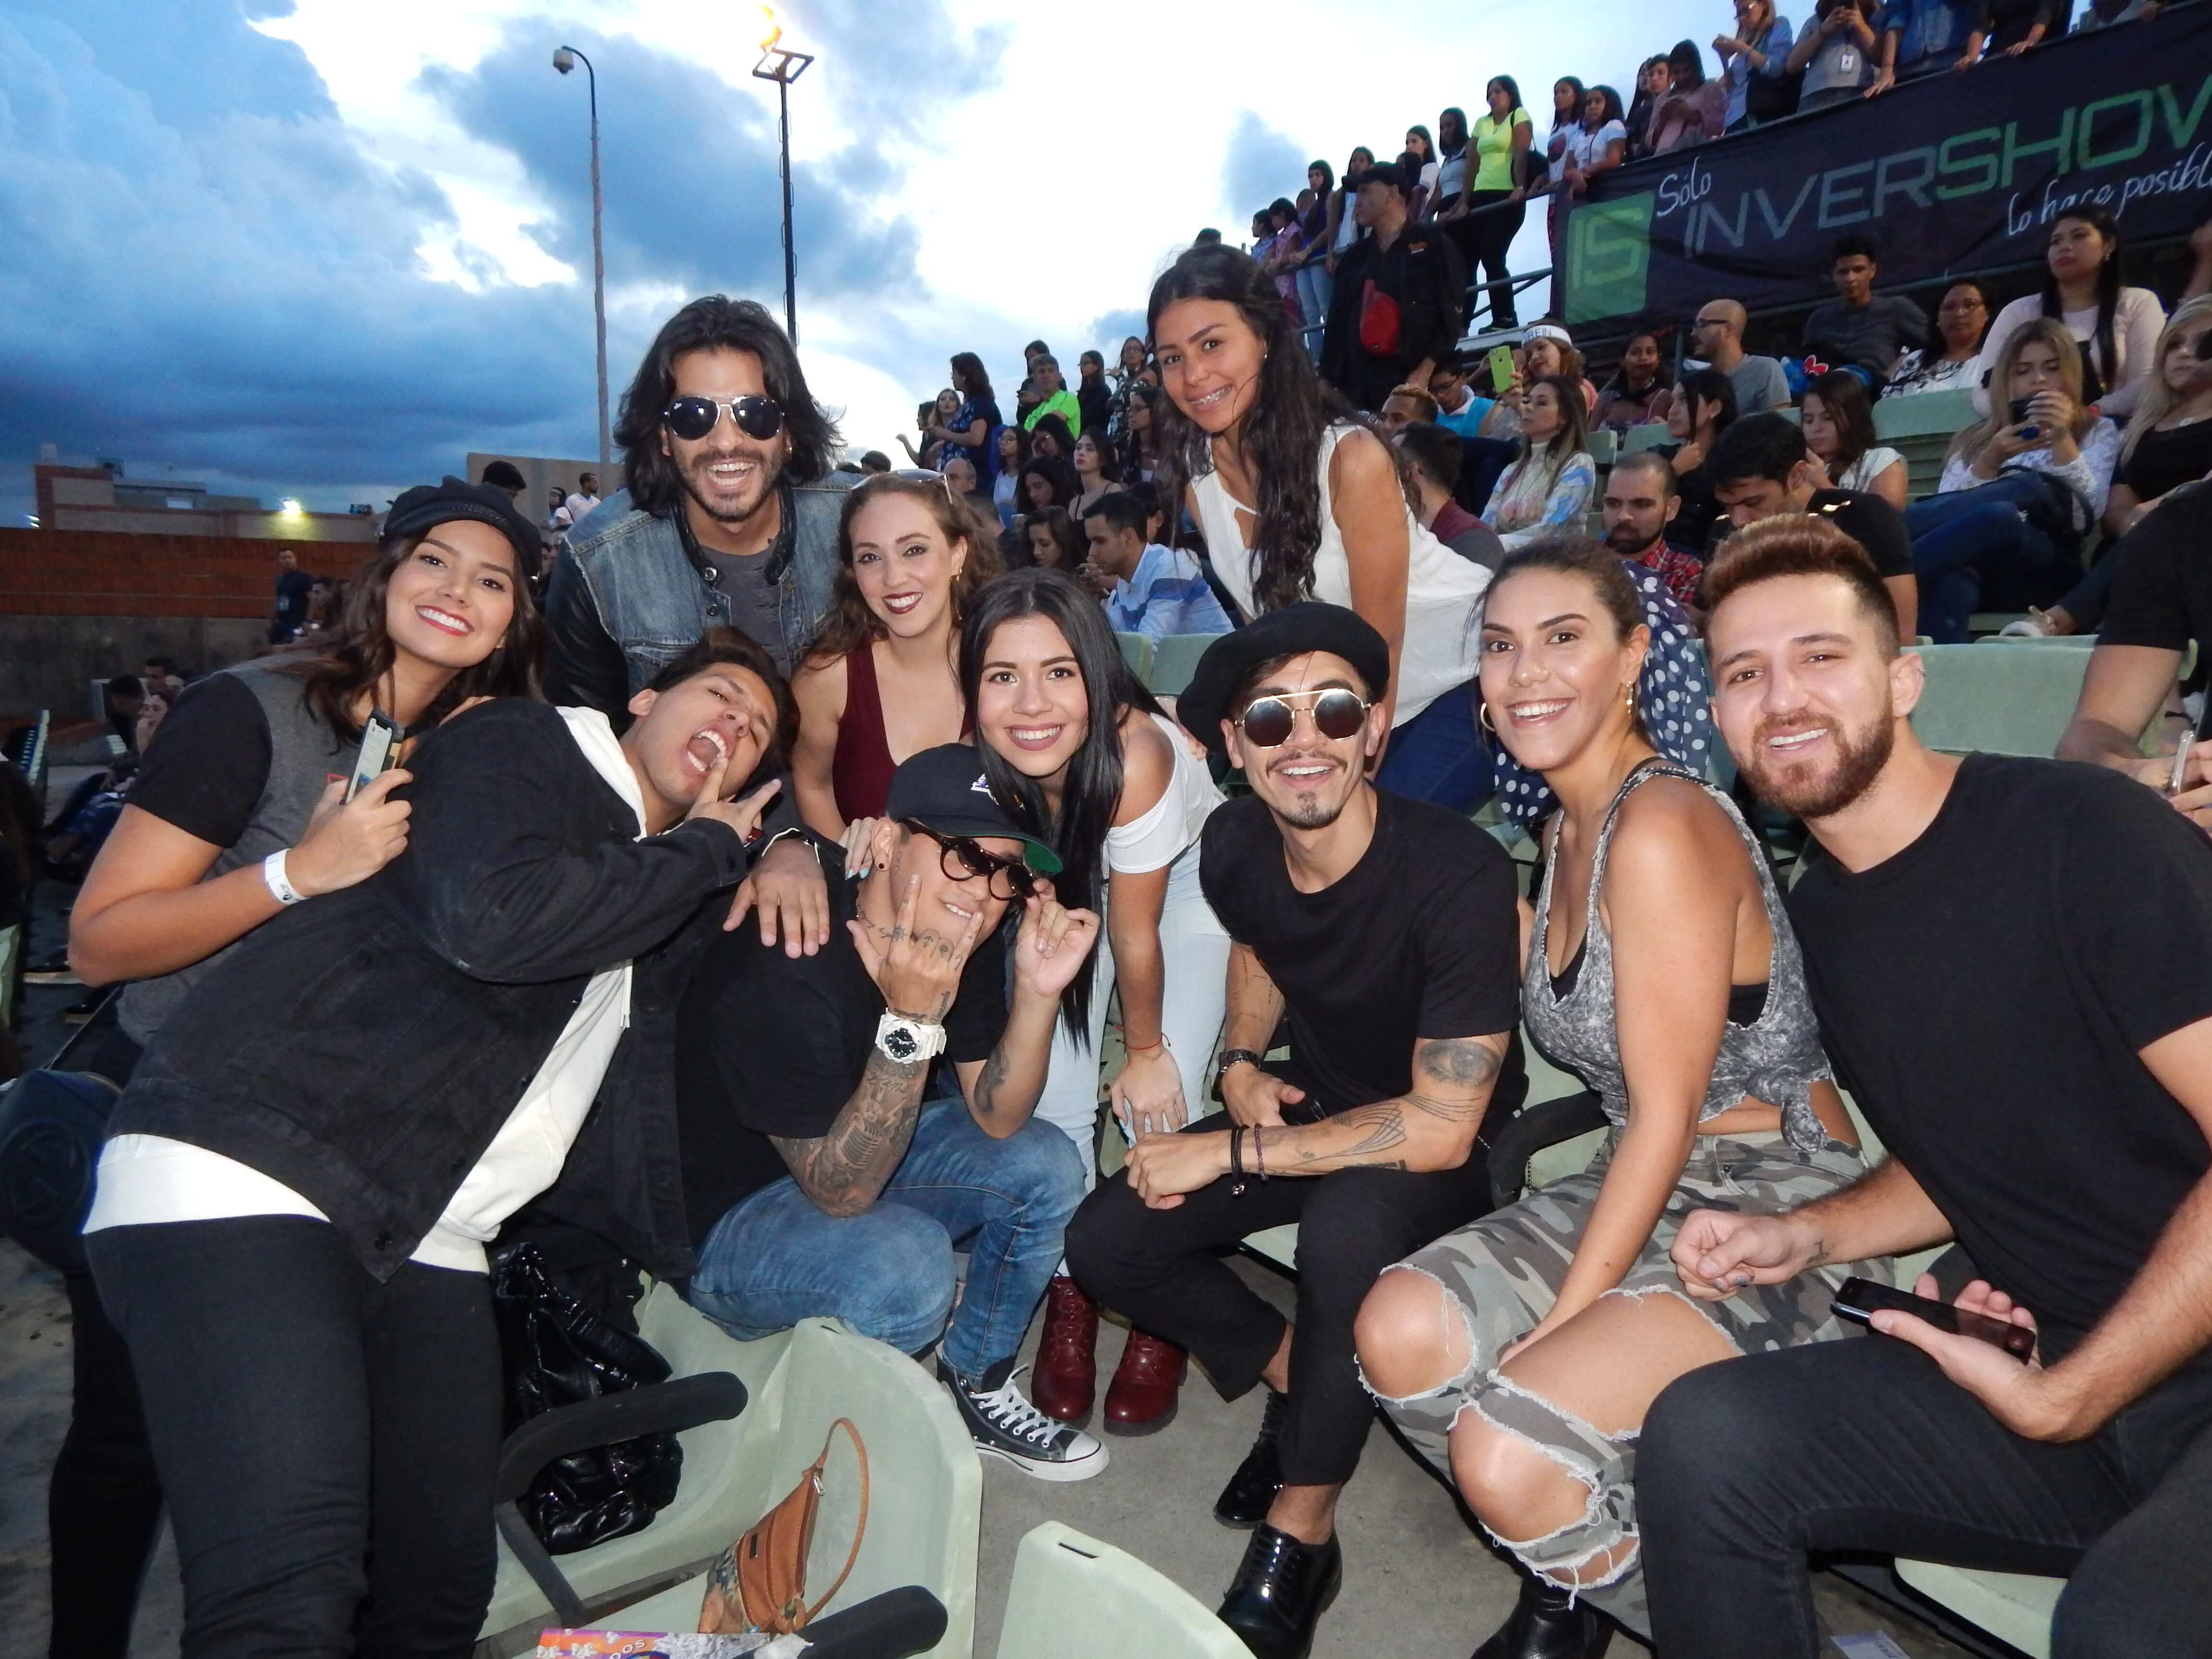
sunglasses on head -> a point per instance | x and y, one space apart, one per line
961 857
693 418
1337 714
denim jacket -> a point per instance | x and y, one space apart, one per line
629 594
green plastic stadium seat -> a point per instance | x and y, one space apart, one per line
1175 659
1650 435
2000 701
2014 1607
1136 652
1075 1598
1931 414
924 1509
1604 447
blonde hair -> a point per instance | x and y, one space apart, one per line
2043 331
2157 401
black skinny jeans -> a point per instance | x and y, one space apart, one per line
1162 1268
1485 240
327 1442
1744 1467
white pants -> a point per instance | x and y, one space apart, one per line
1195 954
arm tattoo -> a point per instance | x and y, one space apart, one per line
1462 1060
844 1171
989 1081
1385 1126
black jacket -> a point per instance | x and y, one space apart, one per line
365 1049
1423 271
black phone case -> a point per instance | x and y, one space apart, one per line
1858 1298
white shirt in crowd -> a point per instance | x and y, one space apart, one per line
152 1179
1439 650
2137 321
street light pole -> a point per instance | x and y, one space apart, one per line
782 66
565 60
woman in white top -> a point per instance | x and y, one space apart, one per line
1069 732
1839 424
1300 501
2019 490
1951 358
1343 228
2116 327
1549 486
1599 142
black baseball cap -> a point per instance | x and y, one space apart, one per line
427 505
945 791
1292 631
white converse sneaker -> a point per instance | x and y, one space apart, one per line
1003 1425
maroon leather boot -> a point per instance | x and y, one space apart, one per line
1066 1376
1144 1392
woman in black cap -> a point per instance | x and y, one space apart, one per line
237 813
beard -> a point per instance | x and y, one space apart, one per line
1625 541
1798 788
726 509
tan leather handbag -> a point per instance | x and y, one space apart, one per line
760 1583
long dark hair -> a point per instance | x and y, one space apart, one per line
850 624
1279 435
1428 144
1059 523
2100 219
1687 64
716 323
1581 98
1573 435
1109 460
1465 131
975 380
1618 385
1851 413
1614 111
1092 793
357 656
1060 474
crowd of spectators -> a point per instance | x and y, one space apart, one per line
797 771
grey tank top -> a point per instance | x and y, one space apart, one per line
303 753
1776 1058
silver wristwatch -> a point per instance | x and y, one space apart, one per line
905 1040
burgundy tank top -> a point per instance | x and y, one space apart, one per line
861 767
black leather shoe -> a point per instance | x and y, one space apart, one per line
1544 1626
1280 1592
1244 1501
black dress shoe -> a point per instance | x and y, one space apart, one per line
1244 1501
1544 1626
1280 1592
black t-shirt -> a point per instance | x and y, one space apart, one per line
208 762
1984 993
1871 522
293 587
2167 460
2162 583
769 1044
1421 939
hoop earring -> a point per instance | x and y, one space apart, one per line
1482 716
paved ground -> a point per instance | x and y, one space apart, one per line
1418 1583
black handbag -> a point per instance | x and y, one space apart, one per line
557 1351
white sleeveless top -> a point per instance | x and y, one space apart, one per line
1441 587
1157 838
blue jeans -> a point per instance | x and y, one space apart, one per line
1968 543
775 1259
1439 755
1316 287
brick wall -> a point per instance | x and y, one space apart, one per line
67 573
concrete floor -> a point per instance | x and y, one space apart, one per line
1418 1583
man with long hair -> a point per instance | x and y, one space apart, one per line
724 517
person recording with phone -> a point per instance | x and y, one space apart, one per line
298 1186
237 813
2019 490
2011 963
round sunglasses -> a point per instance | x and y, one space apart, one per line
693 418
961 857
1337 714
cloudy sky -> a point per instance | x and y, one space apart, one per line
324 249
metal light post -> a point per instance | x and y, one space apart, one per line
565 60
783 66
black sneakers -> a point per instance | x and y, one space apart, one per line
1280 1592
1244 1501
1006 1426
52 970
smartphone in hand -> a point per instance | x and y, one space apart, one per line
380 747
1860 1299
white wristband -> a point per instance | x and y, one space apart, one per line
280 887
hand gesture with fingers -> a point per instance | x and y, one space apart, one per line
349 841
917 971
742 816
1053 945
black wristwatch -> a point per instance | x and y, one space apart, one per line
1231 1057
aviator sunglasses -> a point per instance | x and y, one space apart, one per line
1337 713
693 418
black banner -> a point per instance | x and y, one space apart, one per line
1948 175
